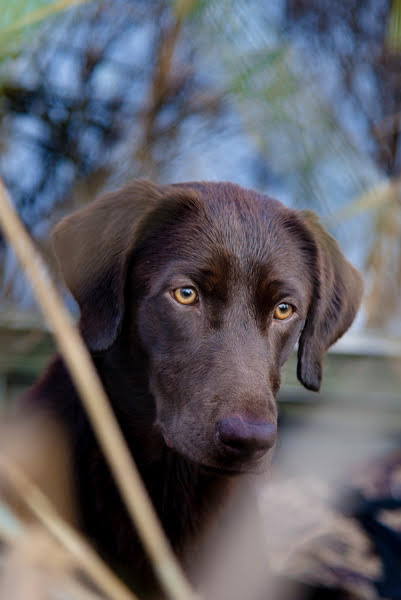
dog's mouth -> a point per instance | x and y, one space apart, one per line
232 468
250 465
223 471
221 464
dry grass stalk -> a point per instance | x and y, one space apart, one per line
33 566
102 418
47 515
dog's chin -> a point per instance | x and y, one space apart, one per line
223 467
226 471
233 468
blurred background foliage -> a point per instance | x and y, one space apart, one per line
298 98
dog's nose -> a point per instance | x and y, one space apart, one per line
237 434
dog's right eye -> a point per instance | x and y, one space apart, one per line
186 295
283 311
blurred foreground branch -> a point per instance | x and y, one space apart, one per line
46 514
102 418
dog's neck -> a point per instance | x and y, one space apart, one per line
181 491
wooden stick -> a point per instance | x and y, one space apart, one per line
104 423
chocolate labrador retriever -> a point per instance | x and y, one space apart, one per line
192 297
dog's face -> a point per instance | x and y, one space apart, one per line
221 306
219 283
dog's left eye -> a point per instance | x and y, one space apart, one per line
185 295
283 311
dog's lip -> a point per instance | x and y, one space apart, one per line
236 465
232 471
222 470
167 440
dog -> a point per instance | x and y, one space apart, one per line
192 296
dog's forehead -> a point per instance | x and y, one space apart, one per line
222 197
231 235
224 234
245 225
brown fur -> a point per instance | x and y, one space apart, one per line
175 373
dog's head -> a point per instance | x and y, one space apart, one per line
220 283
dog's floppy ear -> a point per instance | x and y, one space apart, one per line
93 247
338 290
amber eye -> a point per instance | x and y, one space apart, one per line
283 311
185 295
